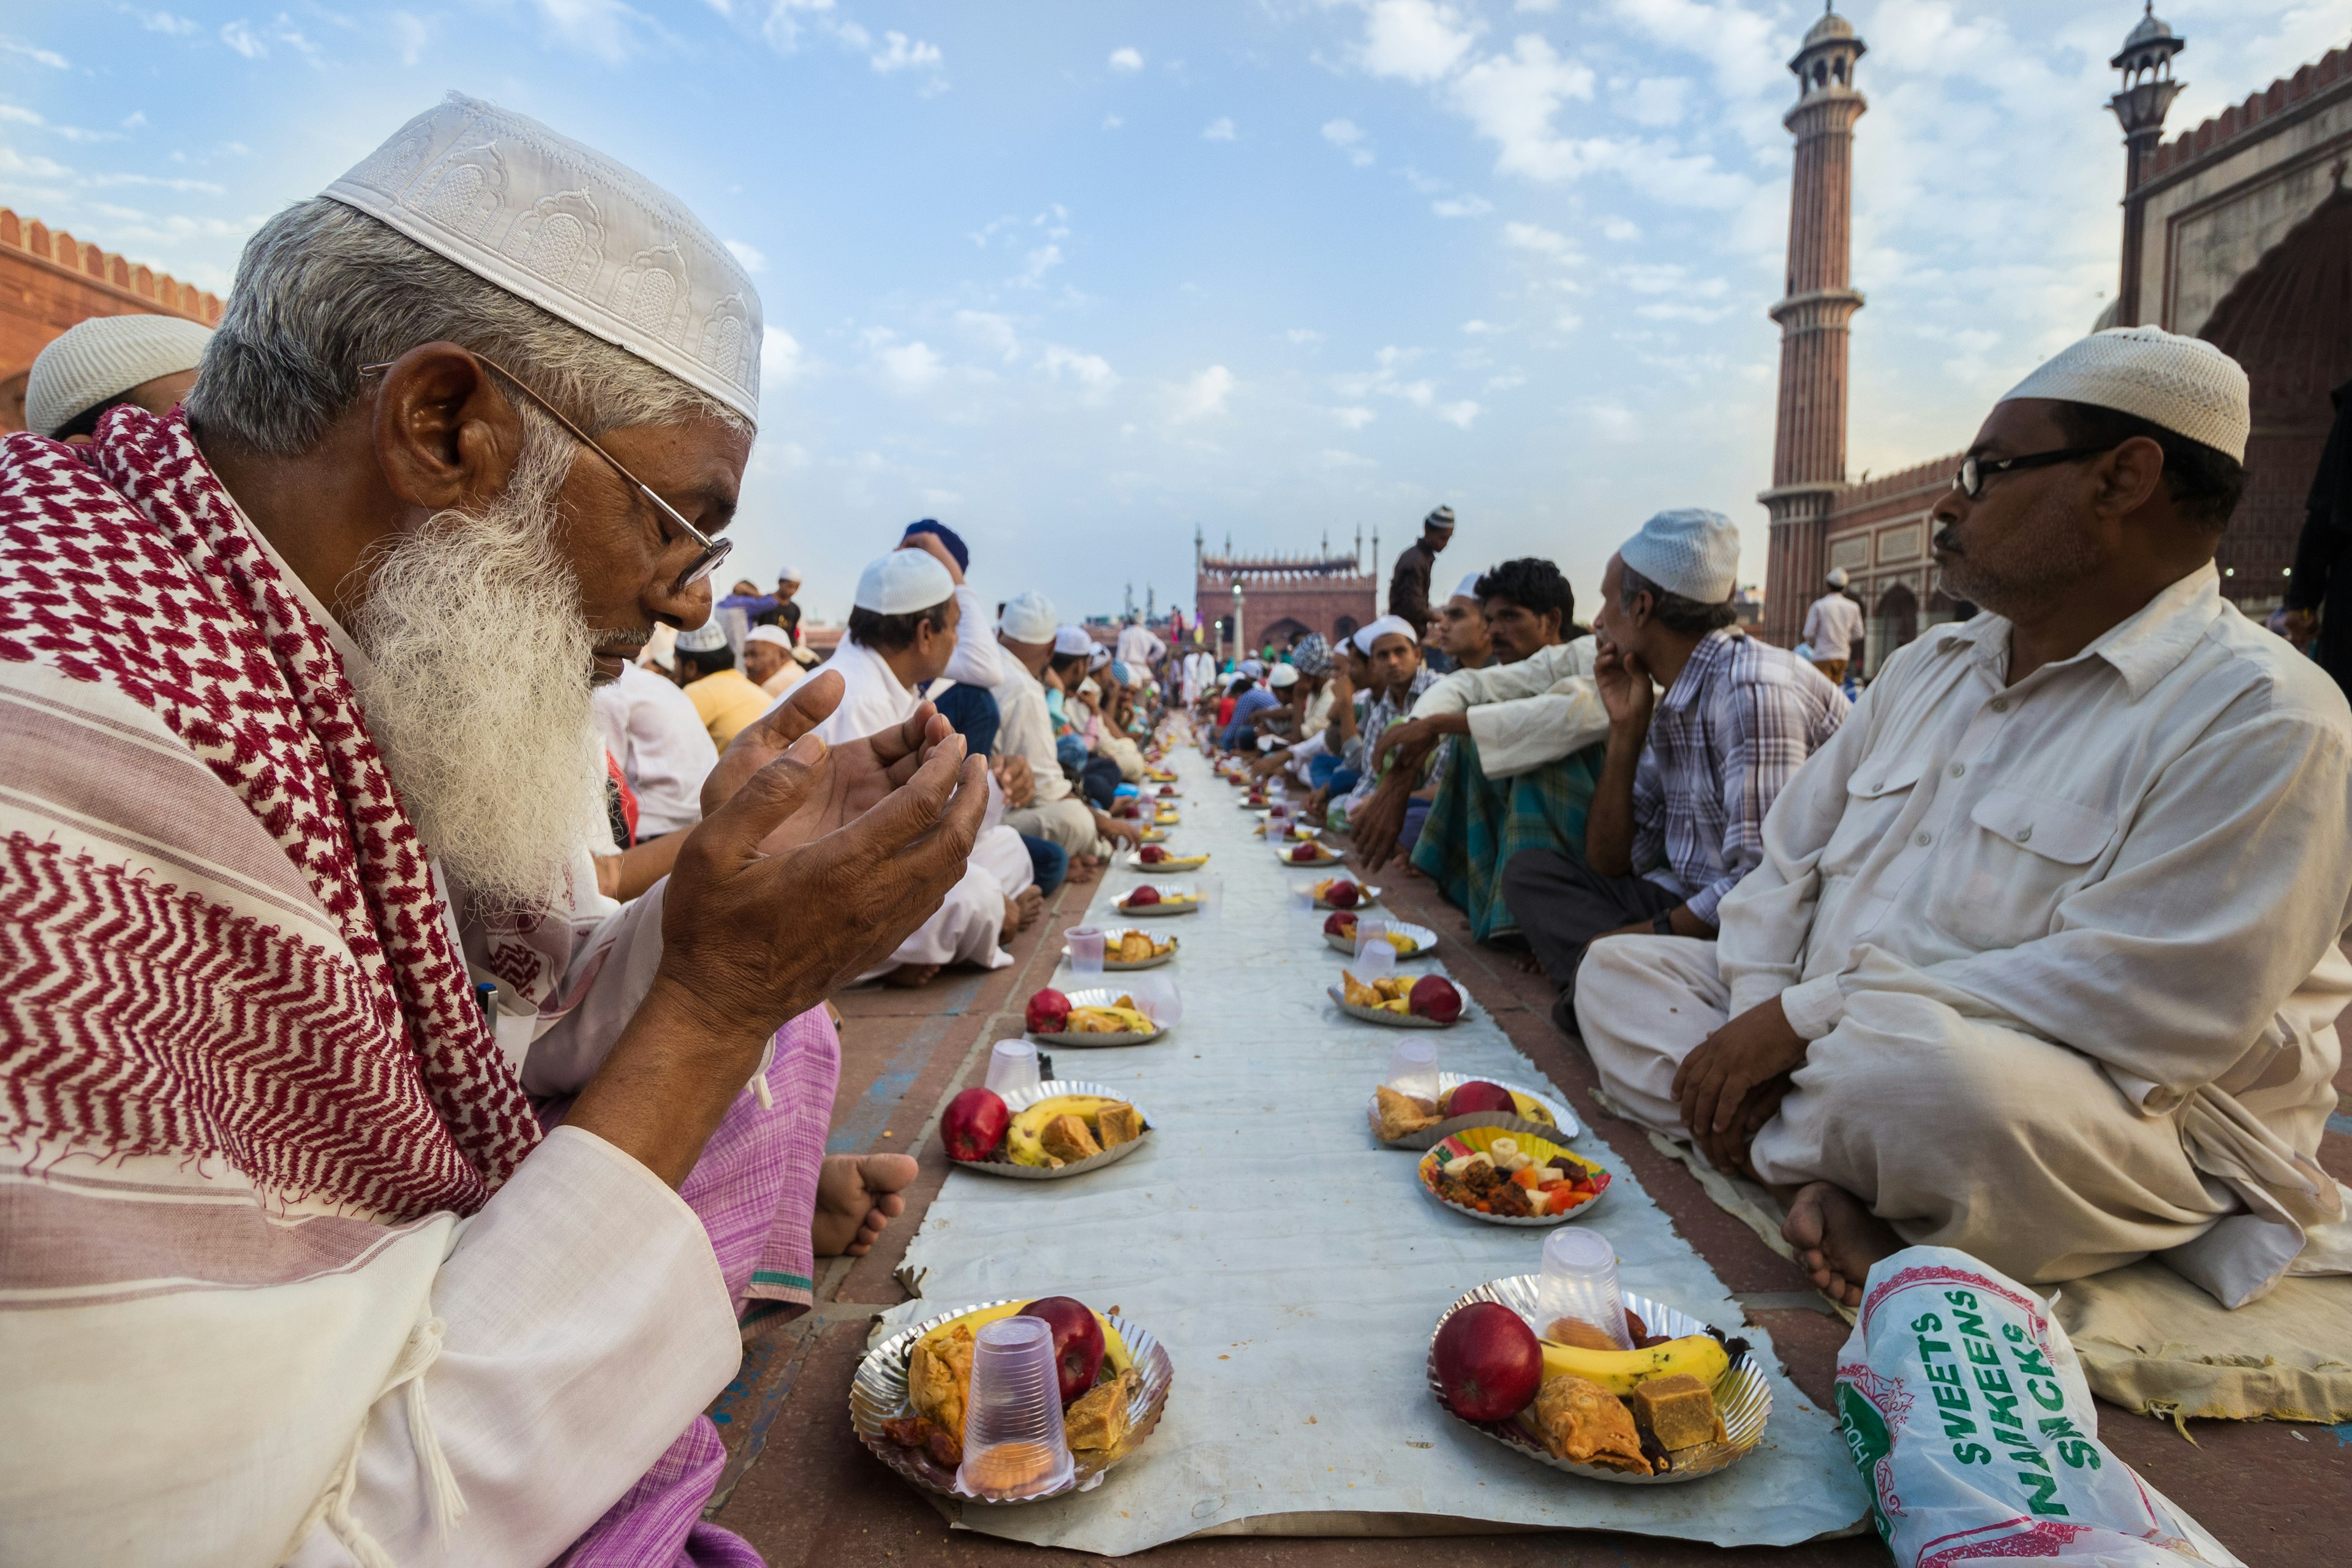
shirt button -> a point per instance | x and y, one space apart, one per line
2000 705
1960 768
2025 833
1921 839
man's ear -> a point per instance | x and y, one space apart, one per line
446 435
2129 477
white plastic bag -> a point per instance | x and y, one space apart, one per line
1965 1408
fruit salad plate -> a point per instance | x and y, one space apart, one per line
1542 1115
1424 940
1742 1397
1318 856
1112 936
1493 1141
1081 1098
1136 862
1394 1020
1102 996
1175 899
1366 895
879 1394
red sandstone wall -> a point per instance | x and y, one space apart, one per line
49 280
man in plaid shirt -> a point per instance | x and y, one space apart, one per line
1677 816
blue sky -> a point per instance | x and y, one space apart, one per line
1076 278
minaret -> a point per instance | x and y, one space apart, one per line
2146 62
1809 449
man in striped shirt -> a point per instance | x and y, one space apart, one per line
1677 816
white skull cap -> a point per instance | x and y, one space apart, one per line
903 582
1028 617
103 358
2185 385
580 235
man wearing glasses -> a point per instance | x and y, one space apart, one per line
372 1189
2041 961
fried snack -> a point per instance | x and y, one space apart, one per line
1357 994
1096 1420
1066 1138
914 1432
1118 1124
1402 1115
1134 948
1584 1423
1392 988
939 1379
1678 1410
1578 1334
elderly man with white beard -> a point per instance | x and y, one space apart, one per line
306 1262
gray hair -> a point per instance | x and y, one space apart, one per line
1675 612
323 288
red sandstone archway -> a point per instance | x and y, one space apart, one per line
1893 623
2289 323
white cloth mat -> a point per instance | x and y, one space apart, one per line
1296 1272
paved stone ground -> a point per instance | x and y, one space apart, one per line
803 1490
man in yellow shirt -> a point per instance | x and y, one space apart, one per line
725 696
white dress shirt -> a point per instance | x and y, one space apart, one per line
665 752
1833 626
1138 646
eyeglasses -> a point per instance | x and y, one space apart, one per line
710 551
1975 470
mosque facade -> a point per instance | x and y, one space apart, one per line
1282 597
49 280
2237 231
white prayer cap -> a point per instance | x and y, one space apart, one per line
1282 675
708 638
103 358
787 574
1100 657
1837 578
1068 640
776 635
572 231
1235 679
2185 385
1028 617
903 582
1468 587
1689 550
1251 667
1380 629
661 648
1087 688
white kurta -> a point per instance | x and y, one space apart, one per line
665 752
1138 646
968 925
2143 853
1833 626
1526 715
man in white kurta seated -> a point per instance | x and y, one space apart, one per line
1044 802
651 729
906 622
2041 961
306 1261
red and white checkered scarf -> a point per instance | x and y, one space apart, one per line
138 1019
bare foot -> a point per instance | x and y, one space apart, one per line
906 976
1084 868
1526 964
1010 926
1032 905
856 1197
1837 1239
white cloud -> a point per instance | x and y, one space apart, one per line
1416 40
753 259
1218 130
1539 7
1112 122
408 35
1511 98
908 367
49 57
165 21
1613 421
1458 415
1203 395
992 331
1477 328
1462 206
239 35
1303 335
1541 240
1334 458
1091 372
780 355
1348 137
899 53
1127 59
1620 229
1355 416
1656 100
1034 267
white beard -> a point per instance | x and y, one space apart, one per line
479 694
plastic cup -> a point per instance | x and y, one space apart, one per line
1211 887
1579 1282
1012 1065
1375 959
1157 993
1013 1445
1302 898
1085 952
1413 1066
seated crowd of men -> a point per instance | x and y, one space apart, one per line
419 903
2033 951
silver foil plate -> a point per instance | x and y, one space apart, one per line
1118 966
1742 1396
1020 1100
1425 940
1321 863
1395 1020
1133 863
1370 896
1516 1222
1437 1132
1099 996
878 1393
1163 911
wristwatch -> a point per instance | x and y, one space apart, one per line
1663 924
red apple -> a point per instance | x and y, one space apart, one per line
974 1124
1129 810
1341 923
1488 1362
1478 1095
1303 855
1343 895
1078 1341
1048 1011
1167 789
1152 854
1433 996
1143 897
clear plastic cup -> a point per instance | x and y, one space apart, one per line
1013 1445
1579 1283
1413 1066
1157 993
1375 959
1012 1065
1085 952
1211 887
1302 898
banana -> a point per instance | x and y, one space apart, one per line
1021 1139
1115 1354
1529 1107
1701 1355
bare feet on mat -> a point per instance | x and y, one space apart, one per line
906 976
1084 868
1837 1239
1032 904
856 1197
1010 926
